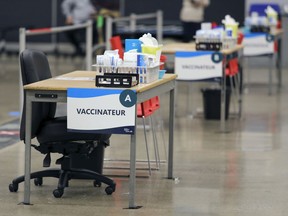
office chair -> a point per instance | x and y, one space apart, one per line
145 110
53 137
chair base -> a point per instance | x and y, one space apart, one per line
64 175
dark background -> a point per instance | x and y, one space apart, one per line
37 14
171 9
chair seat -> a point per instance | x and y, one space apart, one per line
56 130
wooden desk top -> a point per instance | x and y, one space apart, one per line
173 47
86 79
237 48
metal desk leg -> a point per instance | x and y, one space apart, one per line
189 101
279 63
238 93
240 81
27 149
171 134
132 175
223 98
234 94
270 74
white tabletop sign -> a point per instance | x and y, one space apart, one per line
198 65
258 44
101 110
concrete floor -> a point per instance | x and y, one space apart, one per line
240 173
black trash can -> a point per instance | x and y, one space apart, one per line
212 103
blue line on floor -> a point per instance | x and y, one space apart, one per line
9 133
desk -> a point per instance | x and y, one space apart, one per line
55 90
271 53
171 49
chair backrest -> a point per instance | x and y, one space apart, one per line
35 67
155 103
144 109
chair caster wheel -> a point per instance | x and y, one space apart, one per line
58 193
13 187
97 183
109 190
38 181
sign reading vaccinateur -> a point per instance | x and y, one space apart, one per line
198 65
258 44
101 110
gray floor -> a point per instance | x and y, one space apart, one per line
240 173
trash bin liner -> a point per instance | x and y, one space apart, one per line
93 162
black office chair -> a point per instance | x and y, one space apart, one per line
83 153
